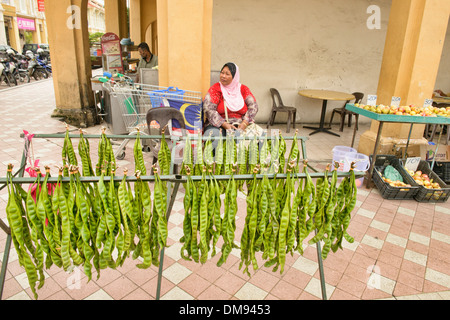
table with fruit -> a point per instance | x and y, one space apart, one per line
407 114
398 114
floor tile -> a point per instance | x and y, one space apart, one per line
177 294
314 288
305 265
419 238
394 239
415 257
176 273
250 292
286 291
438 277
99 295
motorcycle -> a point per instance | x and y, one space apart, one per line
21 75
22 61
35 70
6 69
44 64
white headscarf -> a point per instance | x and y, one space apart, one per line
232 93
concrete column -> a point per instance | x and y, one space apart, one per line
69 49
135 25
15 37
184 43
2 27
116 17
412 53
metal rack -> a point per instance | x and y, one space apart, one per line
173 183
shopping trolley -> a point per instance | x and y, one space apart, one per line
136 99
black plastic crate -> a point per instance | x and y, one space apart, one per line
431 195
387 191
442 169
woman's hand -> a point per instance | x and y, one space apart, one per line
243 125
228 126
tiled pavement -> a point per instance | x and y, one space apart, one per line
401 248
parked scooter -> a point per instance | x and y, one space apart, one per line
22 61
43 62
45 65
21 75
35 70
6 74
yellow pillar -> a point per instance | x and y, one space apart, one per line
413 48
135 24
15 39
69 49
116 17
184 43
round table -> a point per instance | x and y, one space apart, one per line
324 95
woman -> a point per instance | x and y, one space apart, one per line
229 104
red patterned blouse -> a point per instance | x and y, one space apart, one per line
214 107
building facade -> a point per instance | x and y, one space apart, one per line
96 16
22 21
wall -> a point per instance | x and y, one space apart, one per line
443 77
293 44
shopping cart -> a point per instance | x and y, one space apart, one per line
136 99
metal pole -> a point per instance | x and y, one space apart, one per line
374 158
170 202
407 141
322 274
7 229
5 263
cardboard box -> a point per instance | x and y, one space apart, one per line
442 153
399 130
392 146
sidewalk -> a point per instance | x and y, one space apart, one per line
401 248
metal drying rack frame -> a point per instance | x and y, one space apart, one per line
173 183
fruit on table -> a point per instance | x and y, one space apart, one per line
423 179
410 110
443 112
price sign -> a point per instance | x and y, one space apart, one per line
395 101
412 163
372 100
428 103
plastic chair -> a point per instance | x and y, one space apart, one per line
163 115
278 106
344 112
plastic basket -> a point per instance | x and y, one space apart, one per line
442 169
431 195
387 191
157 96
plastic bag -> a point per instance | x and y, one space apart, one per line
391 173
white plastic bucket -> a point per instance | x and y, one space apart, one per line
362 163
339 153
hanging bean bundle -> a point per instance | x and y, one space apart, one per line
73 223
228 227
20 234
281 213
